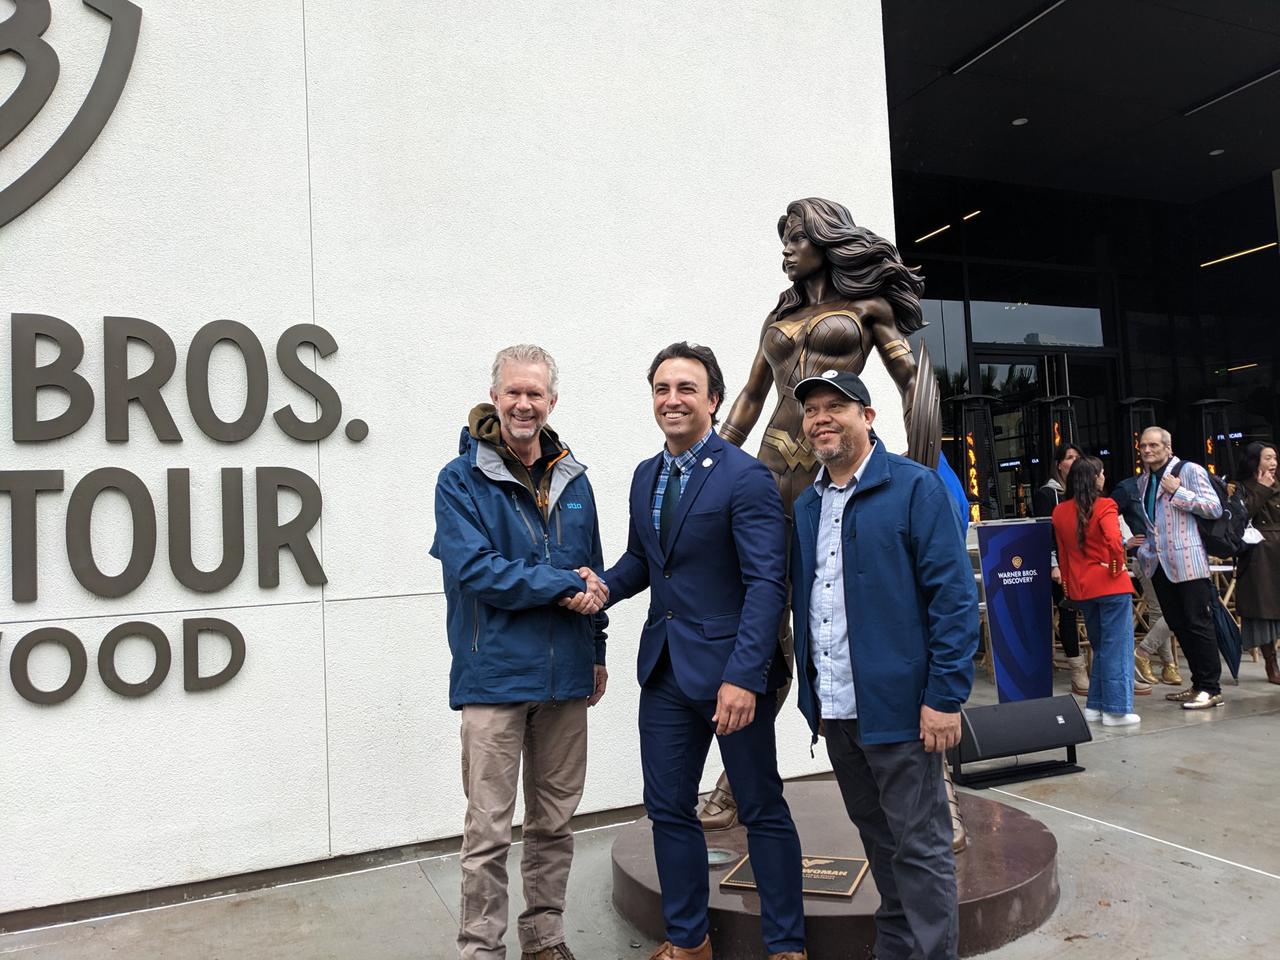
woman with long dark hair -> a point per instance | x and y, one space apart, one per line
1043 502
1258 578
1091 557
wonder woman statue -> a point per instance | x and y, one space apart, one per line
850 293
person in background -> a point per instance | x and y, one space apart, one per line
1258 576
1043 502
1159 639
1092 559
1173 494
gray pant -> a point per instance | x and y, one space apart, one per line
894 795
1157 642
552 737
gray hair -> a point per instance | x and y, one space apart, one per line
1165 436
526 353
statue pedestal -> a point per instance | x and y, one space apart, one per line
1007 877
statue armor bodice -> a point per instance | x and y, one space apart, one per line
806 343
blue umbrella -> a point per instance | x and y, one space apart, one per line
1228 637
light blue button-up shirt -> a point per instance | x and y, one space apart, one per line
828 624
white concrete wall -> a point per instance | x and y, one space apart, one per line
428 181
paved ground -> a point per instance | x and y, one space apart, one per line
1169 845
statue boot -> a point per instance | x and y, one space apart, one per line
720 812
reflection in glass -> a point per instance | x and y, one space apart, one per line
1037 323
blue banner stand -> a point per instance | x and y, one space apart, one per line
1014 557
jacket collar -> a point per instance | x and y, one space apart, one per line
485 458
876 471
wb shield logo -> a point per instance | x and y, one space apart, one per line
22 34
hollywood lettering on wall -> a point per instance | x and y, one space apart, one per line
119 390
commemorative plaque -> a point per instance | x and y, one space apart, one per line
822 876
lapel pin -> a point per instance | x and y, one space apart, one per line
706 462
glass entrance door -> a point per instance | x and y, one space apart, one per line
1028 421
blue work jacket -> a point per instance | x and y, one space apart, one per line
909 593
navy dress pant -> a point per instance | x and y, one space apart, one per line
675 735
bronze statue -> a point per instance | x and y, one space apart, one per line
850 293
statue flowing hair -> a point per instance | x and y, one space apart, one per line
862 264
1082 487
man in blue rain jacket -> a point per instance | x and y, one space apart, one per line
517 536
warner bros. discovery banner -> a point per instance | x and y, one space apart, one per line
1015 558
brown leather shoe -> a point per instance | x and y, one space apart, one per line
557 951
720 812
669 951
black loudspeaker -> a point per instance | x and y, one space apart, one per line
1011 729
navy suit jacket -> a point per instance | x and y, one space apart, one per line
717 595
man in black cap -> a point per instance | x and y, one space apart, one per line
886 626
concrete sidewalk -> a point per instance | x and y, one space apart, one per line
1169 845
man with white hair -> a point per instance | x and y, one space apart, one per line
517 536
1173 493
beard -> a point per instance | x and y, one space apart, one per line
519 430
841 451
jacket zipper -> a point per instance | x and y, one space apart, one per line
546 548
475 628
559 536
546 552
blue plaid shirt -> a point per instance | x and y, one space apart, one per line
685 462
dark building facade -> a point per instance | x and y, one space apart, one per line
1094 262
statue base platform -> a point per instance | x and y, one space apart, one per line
1008 880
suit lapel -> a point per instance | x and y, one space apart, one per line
708 457
642 507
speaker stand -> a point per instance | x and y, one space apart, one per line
1016 772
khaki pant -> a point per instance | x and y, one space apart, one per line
552 737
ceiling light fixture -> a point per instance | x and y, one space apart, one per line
1239 253
1218 98
970 216
1243 366
1217 152
1019 122
933 234
974 58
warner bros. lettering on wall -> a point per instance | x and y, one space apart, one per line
117 390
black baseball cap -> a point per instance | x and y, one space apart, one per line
850 384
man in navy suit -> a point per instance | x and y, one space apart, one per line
708 539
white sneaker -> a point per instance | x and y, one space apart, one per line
1092 715
1120 719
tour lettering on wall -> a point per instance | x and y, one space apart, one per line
120 389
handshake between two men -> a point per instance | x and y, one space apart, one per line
588 601
592 598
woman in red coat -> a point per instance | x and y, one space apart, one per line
1091 558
